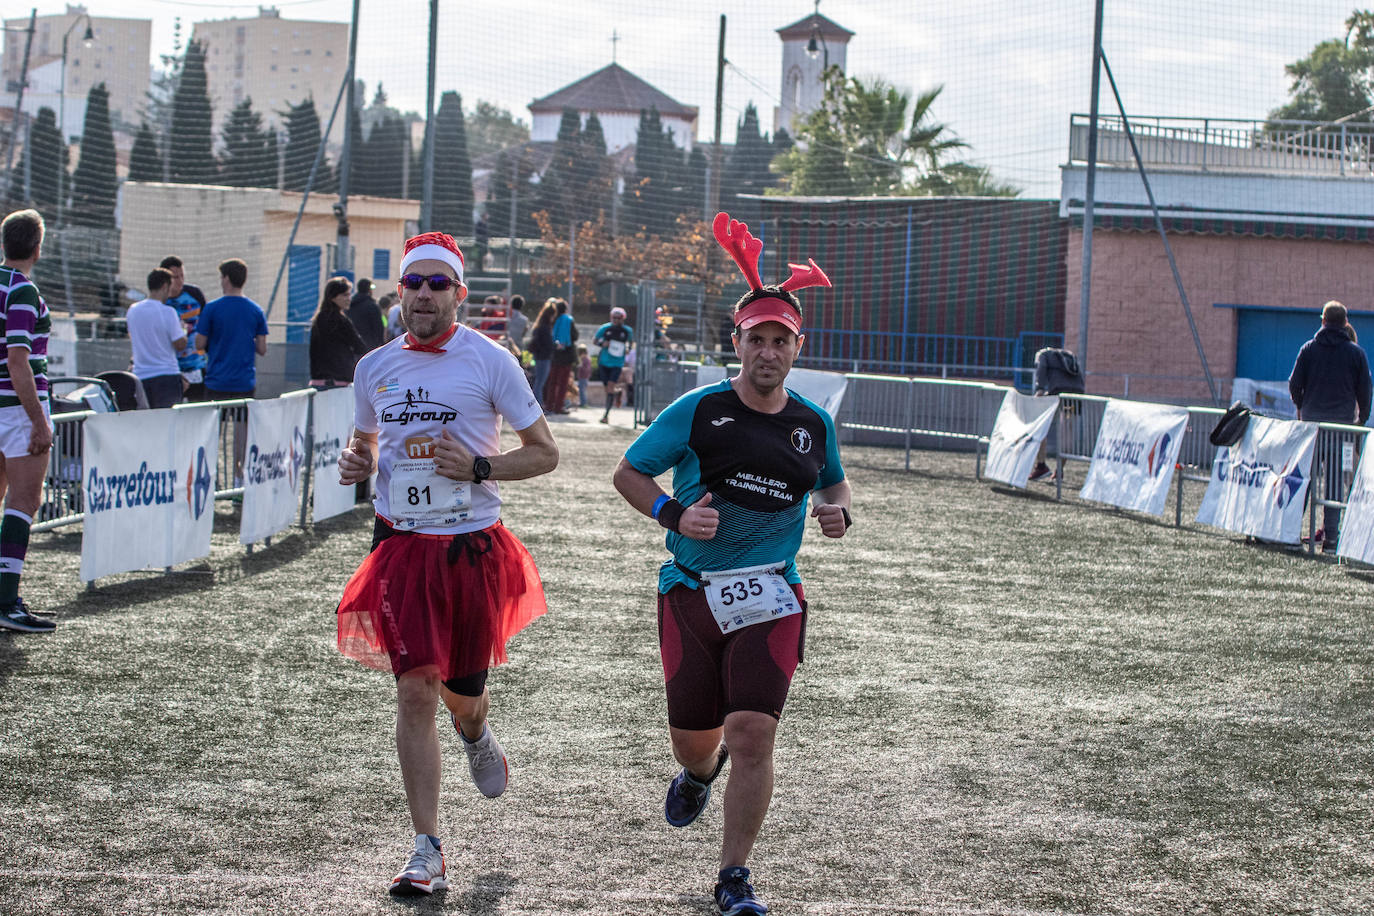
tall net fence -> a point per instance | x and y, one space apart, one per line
930 157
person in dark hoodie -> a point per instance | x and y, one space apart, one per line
1331 384
367 316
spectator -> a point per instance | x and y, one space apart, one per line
157 335
584 374
390 305
188 300
231 330
564 356
25 426
541 345
366 316
493 321
516 322
335 345
1330 383
1056 372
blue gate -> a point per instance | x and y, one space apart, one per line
302 290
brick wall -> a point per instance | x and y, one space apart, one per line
1137 326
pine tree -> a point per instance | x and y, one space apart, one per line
250 152
94 182
556 184
746 171
656 196
44 155
593 172
383 158
514 165
302 146
192 158
145 159
452 211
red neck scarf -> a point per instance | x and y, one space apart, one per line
436 347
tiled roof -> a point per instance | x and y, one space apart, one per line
612 88
828 28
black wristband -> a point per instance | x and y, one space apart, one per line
847 520
670 514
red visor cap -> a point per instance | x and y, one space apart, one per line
770 309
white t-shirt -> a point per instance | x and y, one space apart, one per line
409 397
153 327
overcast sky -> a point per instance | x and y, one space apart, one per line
1013 70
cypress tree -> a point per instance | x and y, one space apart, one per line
145 159
44 155
302 146
452 211
657 195
94 182
250 152
192 158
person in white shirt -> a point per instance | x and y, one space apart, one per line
157 336
446 584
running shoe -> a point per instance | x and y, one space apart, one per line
18 618
486 761
735 895
687 795
425 873
1042 472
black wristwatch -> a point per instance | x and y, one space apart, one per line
481 469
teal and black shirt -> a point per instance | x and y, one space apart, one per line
759 468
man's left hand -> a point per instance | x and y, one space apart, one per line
831 517
451 459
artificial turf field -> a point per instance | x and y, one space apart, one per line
1008 706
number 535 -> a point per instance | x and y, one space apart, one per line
740 590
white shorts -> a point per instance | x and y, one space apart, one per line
16 430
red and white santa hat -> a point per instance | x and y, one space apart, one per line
433 246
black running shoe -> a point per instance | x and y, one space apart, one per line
17 617
735 895
687 795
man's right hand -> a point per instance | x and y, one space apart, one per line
698 522
40 440
355 462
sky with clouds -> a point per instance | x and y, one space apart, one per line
1013 70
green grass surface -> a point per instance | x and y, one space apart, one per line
1008 706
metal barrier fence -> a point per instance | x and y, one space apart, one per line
63 500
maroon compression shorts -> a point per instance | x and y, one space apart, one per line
709 674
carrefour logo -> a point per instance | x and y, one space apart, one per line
1159 454
200 484
1285 484
279 464
105 492
297 454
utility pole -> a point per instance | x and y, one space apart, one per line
427 202
716 151
19 107
1088 196
343 261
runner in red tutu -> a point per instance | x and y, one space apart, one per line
446 585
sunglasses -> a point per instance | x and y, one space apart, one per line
438 282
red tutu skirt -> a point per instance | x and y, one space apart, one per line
430 599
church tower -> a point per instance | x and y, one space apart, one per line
809 45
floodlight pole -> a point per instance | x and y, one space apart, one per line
1089 195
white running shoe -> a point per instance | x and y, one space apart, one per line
486 761
425 873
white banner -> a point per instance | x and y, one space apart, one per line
1269 398
1022 424
826 389
1356 540
1133 460
273 466
1259 485
332 422
62 348
149 489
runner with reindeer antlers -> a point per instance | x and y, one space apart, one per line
747 454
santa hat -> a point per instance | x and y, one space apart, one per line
433 246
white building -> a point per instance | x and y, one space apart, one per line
617 96
809 45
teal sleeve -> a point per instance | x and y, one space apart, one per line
833 472
664 444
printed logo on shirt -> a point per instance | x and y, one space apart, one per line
419 447
801 440
416 409
389 384
722 421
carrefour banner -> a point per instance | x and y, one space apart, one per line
149 481
1259 484
332 422
1022 424
1133 461
1357 522
273 465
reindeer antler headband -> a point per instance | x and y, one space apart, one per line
764 303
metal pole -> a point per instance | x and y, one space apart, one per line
715 149
572 260
1089 194
342 261
427 202
18 107
514 193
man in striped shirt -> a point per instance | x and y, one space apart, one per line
25 428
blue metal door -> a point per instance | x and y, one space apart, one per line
1268 340
302 291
